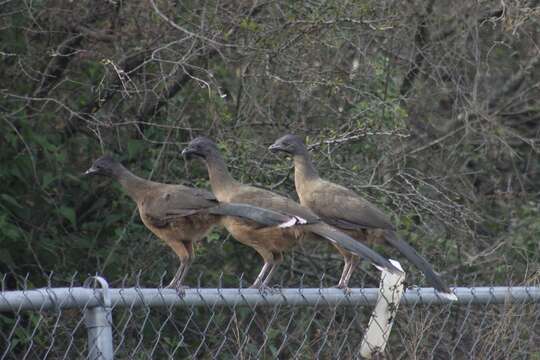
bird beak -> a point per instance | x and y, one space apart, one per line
91 171
275 148
188 153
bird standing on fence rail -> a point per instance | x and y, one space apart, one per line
270 242
347 211
177 214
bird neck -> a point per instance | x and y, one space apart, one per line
135 186
304 171
221 181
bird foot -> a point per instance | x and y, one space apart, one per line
346 289
180 289
263 289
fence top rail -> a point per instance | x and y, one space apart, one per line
83 297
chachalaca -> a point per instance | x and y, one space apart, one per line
347 211
270 242
177 214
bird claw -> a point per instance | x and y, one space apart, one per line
346 289
264 289
180 289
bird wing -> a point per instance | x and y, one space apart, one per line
307 219
177 201
261 216
268 200
341 207
169 202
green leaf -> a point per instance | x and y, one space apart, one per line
134 147
43 141
11 200
47 179
69 214
213 236
249 24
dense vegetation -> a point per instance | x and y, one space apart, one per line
428 108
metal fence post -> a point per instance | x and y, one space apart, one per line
382 319
98 322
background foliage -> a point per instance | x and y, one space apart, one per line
428 108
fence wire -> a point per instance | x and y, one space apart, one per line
246 324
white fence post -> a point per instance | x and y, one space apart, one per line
382 318
98 322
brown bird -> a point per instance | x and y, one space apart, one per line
347 211
177 214
270 242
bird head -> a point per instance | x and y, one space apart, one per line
105 166
290 144
201 147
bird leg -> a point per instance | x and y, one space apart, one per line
259 281
176 282
184 250
276 261
342 284
353 261
176 277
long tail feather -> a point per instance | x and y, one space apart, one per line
347 242
410 253
257 214
274 218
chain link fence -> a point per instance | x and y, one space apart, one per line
304 323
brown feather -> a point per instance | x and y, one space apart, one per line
269 241
346 210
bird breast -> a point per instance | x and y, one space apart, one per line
273 238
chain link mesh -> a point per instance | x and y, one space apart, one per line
207 330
